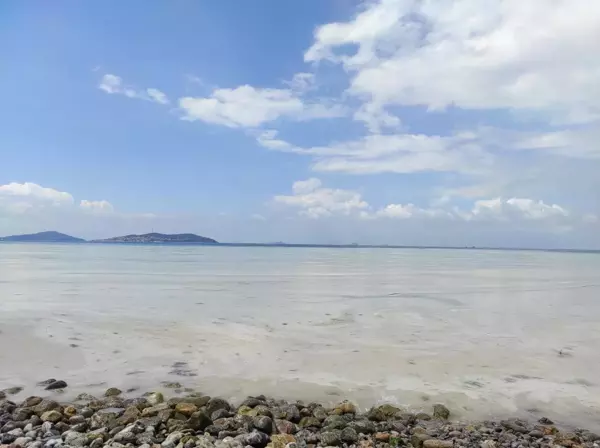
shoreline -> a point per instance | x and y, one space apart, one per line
186 418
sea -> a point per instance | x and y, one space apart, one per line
489 333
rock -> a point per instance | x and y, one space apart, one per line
172 385
12 390
252 402
172 439
344 408
244 410
145 437
112 392
130 415
435 443
73 438
80 427
52 416
155 410
45 406
515 426
536 433
198 401
441 412
305 436
311 422
376 415
56 385
423 416
489 443
264 424
545 421
382 436
7 438
389 410
285 427
70 411
17 432
129 433
418 439
85 397
22 441
205 442
106 418
22 414
199 421
100 433
290 413
331 438
363 426
155 398
141 403
281 440
96 443
334 422
186 409
320 413
256 438
214 404
220 413
349 435
31 401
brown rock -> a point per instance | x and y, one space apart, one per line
186 409
281 440
382 436
70 411
52 416
345 408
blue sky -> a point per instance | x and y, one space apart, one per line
390 121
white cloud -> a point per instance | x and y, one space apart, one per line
32 192
269 139
250 107
471 54
516 207
99 207
113 84
315 201
157 96
400 211
302 82
395 153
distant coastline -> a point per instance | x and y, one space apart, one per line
193 239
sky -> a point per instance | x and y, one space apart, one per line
416 122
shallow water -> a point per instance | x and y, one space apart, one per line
490 333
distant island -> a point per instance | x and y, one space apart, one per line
158 238
57 237
43 237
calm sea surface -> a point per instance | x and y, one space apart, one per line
486 332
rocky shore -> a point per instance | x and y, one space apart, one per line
191 419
